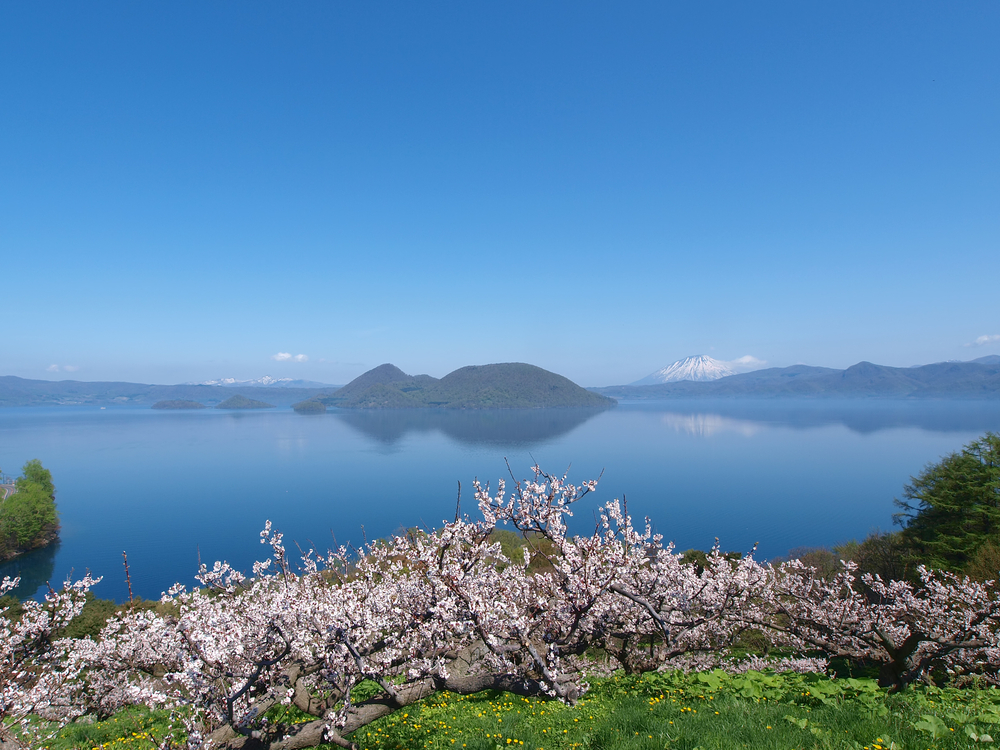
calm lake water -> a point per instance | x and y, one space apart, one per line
171 488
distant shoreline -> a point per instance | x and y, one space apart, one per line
949 380
519 385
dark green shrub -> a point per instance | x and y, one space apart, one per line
699 558
826 562
91 620
985 563
882 553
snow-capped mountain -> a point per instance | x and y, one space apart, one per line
699 367
265 382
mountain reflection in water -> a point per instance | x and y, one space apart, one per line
176 488
519 427
513 427
707 418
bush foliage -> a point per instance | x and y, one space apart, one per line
28 518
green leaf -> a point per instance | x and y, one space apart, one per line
932 725
800 723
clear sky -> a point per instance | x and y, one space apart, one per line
190 189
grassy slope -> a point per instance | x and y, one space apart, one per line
653 711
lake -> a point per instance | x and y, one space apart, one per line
173 488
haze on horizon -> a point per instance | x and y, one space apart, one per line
200 191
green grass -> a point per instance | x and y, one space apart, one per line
672 711
135 728
652 712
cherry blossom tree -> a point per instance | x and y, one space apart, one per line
947 622
351 636
415 614
35 670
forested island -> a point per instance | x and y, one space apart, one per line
28 517
242 402
509 385
178 404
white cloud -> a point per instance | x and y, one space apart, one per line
748 360
988 339
52 368
287 357
70 368
300 358
747 363
63 368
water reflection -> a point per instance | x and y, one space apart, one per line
706 425
35 569
169 487
707 418
509 427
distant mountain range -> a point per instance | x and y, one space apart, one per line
979 378
517 385
989 359
501 386
266 382
511 385
16 391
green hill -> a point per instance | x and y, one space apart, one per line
178 404
382 375
512 385
242 402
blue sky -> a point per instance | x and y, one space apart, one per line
189 189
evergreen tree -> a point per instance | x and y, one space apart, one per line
953 508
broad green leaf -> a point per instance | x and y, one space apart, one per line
932 725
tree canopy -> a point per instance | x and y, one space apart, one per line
34 473
28 518
952 509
